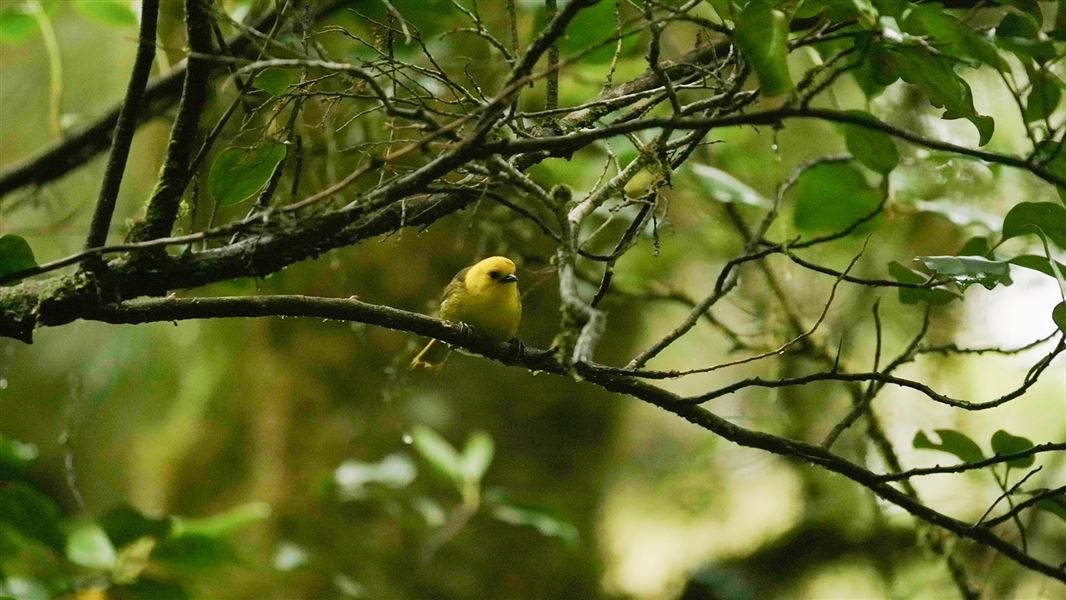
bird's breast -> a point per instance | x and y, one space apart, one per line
495 314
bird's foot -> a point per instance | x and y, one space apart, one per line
515 348
465 328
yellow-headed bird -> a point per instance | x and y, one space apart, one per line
483 296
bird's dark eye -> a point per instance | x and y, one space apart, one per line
494 274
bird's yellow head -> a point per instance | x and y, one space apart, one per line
492 275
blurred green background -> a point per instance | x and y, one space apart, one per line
298 437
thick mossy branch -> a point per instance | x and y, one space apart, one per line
35 303
163 206
66 298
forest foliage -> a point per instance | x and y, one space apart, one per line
779 222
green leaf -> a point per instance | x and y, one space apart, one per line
952 442
762 36
905 274
871 147
950 37
1058 315
348 587
723 8
431 511
24 588
1045 264
289 557
30 513
124 524
867 76
223 524
546 524
16 26
273 81
113 13
962 213
838 10
1004 442
1020 35
477 456
935 75
1044 96
238 173
831 196
976 246
967 270
1017 25
1055 505
353 476
194 552
1053 156
437 452
723 187
891 8
589 27
15 255
1031 8
89 546
1034 217
1037 263
15 458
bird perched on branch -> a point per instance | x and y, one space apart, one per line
483 296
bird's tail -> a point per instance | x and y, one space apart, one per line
431 357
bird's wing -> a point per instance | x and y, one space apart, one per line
455 285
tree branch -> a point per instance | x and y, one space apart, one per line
126 126
163 205
1018 508
873 376
272 247
79 147
961 468
278 243
171 309
579 139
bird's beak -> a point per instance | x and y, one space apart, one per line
508 278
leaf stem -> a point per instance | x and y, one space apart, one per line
55 67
